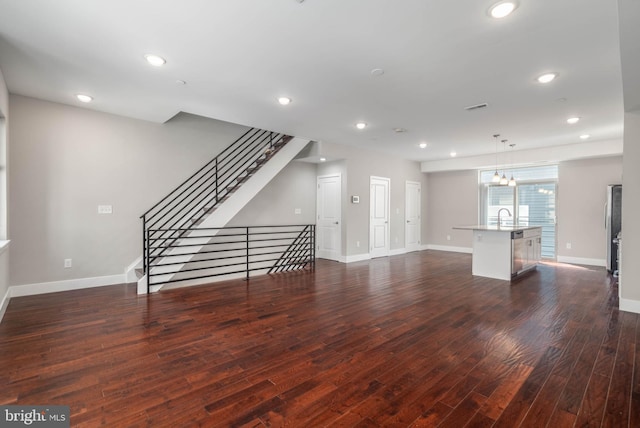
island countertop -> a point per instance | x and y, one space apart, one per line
504 252
495 228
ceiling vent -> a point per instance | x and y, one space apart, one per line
476 107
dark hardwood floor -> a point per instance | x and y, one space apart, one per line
410 340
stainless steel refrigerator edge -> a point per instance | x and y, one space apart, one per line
613 224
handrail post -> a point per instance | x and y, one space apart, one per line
247 251
148 261
216 183
144 245
313 246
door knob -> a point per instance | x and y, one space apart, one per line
336 222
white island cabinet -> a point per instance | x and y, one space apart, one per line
504 252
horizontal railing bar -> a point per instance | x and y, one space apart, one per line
243 248
181 245
228 227
251 254
211 275
214 267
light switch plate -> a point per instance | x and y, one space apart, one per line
105 209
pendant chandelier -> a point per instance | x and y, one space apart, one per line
512 181
503 180
496 176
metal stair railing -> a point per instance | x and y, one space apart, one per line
299 254
199 195
236 250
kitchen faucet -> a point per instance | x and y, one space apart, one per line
499 220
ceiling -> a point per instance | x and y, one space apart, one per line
238 56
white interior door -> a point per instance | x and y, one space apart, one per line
412 216
379 217
329 225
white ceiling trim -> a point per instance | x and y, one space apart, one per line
592 149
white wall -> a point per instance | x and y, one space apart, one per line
629 16
582 193
630 282
66 161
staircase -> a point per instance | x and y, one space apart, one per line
188 219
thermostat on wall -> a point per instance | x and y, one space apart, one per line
355 199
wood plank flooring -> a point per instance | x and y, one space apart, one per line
405 341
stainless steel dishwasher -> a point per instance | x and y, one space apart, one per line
517 251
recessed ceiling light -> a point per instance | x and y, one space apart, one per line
377 72
155 60
573 120
502 9
323 159
584 136
399 130
423 145
84 98
547 77
181 82
361 125
453 154
284 100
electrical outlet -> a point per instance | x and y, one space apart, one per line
105 209
297 211
68 263
568 245
357 244
448 237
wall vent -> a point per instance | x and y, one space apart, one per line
476 107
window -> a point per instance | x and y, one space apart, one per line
532 202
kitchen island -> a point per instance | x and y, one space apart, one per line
503 252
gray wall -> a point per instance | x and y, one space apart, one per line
582 193
293 188
357 166
69 160
582 186
65 161
453 201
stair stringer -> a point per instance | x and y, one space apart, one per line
224 213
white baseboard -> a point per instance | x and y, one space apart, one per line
4 303
581 261
71 284
629 305
449 248
357 258
130 271
398 252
